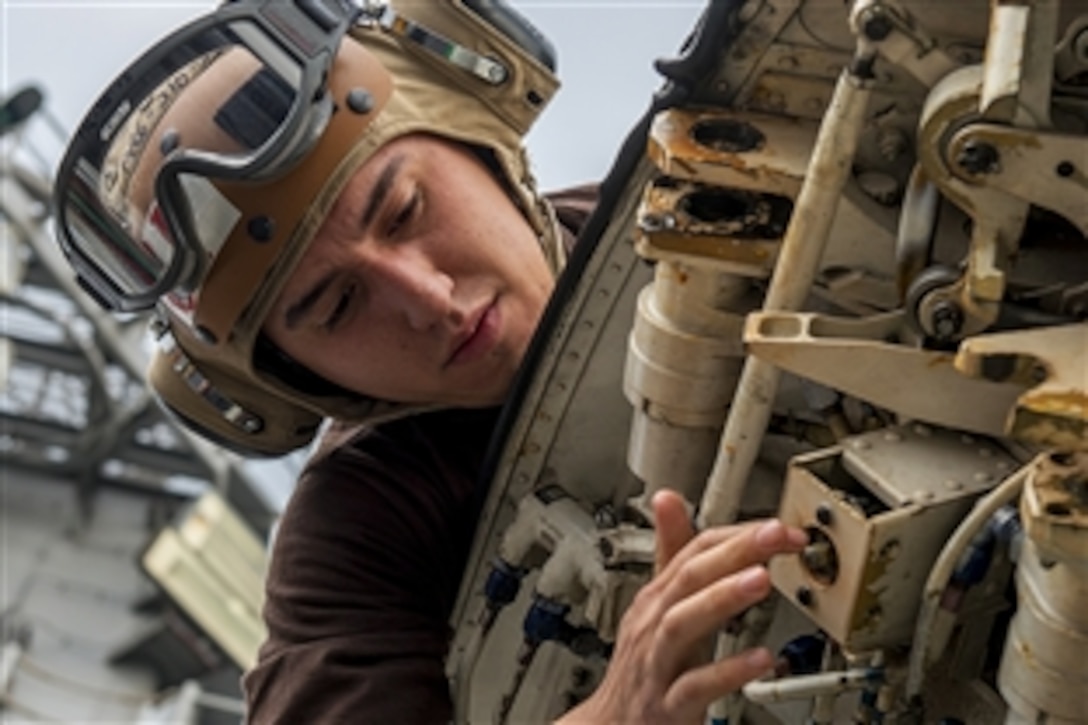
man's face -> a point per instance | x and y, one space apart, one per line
424 285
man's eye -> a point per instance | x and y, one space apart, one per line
340 309
404 215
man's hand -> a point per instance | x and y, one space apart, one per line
657 674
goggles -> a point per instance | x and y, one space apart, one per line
138 213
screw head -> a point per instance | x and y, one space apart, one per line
877 25
978 157
824 514
169 141
261 228
360 101
947 320
804 596
496 73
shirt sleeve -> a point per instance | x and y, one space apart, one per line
364 565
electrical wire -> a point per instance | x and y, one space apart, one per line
945 565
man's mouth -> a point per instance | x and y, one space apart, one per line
478 335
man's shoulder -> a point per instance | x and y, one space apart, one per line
572 206
439 432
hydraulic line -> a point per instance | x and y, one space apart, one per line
802 249
804 687
943 568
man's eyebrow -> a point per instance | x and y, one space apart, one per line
381 189
300 309
382 186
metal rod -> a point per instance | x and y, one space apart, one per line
802 249
803 687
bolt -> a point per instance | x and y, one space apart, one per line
978 157
650 222
892 142
947 320
1065 169
169 141
605 517
360 101
496 74
804 596
824 514
877 25
261 228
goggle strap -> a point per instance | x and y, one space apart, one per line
196 381
486 69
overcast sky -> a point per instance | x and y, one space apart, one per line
606 48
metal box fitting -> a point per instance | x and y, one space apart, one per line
878 508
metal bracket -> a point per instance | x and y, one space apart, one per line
1047 169
1053 411
851 356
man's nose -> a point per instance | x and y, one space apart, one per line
405 281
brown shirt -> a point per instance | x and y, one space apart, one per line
367 562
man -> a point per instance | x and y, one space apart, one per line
334 218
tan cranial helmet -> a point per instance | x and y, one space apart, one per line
435 67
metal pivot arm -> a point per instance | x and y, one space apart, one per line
896 36
1045 168
1012 87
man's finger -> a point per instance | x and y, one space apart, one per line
693 692
694 619
673 527
750 544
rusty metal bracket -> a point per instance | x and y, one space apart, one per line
727 147
1053 410
734 230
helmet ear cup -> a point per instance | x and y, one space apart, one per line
226 411
517 28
